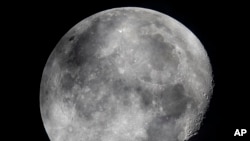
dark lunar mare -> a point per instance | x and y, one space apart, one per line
174 103
174 100
156 130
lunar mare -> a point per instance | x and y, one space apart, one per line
126 74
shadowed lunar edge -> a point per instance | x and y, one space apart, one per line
127 74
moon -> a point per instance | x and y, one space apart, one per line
126 74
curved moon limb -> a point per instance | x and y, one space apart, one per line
127 74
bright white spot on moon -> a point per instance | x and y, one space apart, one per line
121 70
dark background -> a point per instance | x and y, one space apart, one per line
33 30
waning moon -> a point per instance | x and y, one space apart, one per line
126 74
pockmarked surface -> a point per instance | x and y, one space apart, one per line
126 74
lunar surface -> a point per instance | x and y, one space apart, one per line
126 74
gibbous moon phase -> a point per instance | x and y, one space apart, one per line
126 74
